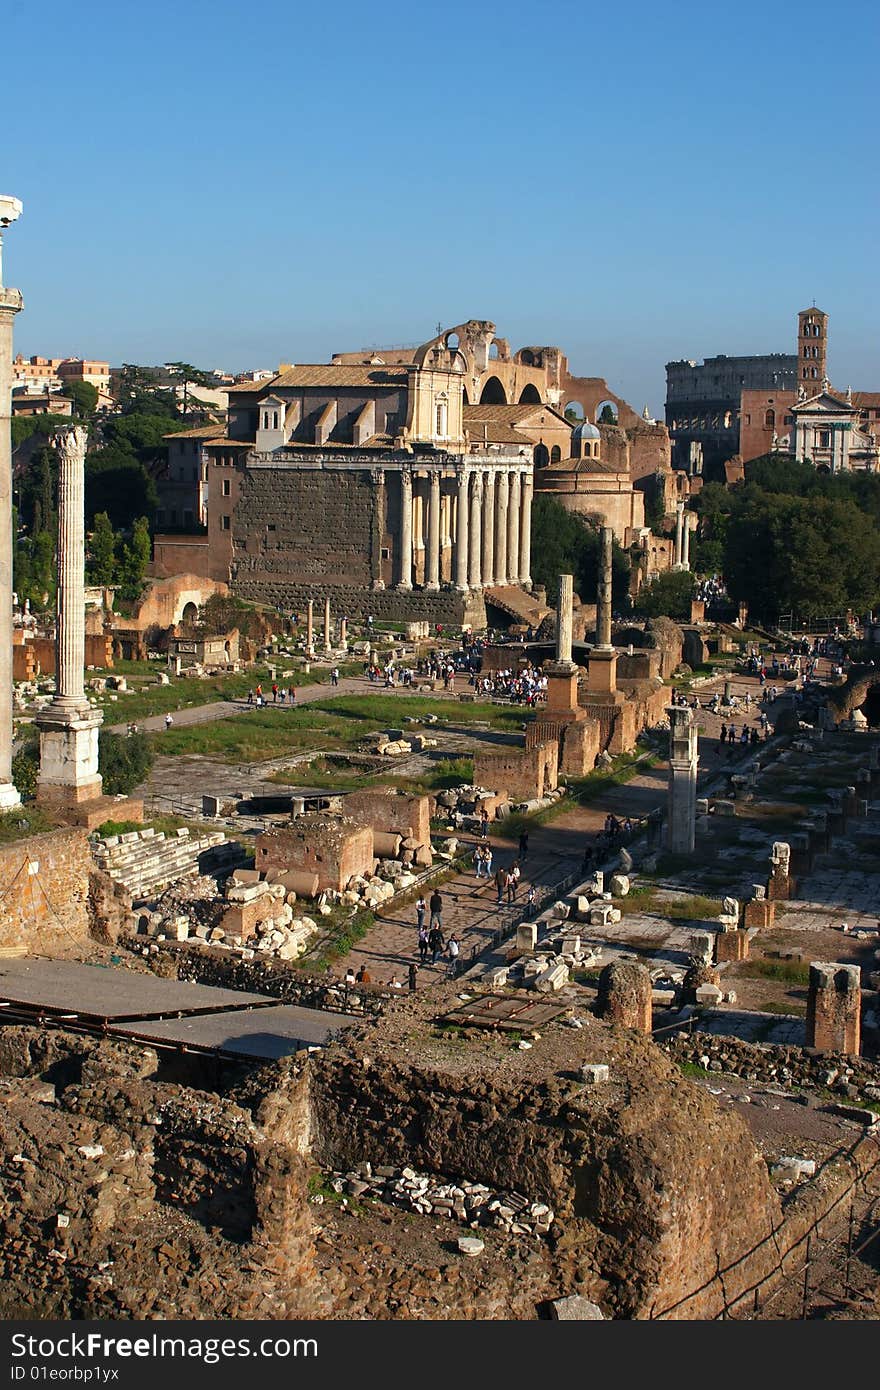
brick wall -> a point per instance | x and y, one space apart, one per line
525 773
45 910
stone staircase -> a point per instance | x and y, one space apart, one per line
145 862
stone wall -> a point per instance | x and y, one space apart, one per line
318 527
448 607
336 848
44 892
525 773
387 808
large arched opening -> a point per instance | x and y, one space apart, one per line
606 413
574 412
529 394
542 457
493 393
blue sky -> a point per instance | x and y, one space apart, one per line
235 186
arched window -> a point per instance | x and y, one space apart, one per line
441 417
542 457
769 419
274 419
555 454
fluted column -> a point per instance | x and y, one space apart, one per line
406 546
488 527
310 624
328 644
432 555
686 543
513 530
10 304
68 773
475 577
71 634
461 532
525 531
502 502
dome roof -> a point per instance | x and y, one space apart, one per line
585 431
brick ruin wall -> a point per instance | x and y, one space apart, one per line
524 773
44 892
385 809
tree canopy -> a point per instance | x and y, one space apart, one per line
565 543
792 540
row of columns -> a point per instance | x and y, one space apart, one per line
683 528
492 529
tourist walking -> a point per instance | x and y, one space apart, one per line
423 943
436 905
523 844
501 883
421 909
484 823
487 860
435 943
334 676
512 882
168 721
453 951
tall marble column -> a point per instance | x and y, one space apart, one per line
525 532
502 502
10 304
461 532
69 727
603 614
513 529
310 625
475 578
564 619
679 530
406 540
489 527
686 542
432 556
328 644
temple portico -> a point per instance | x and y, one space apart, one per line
466 524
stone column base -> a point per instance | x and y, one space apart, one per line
9 797
68 772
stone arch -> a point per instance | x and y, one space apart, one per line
530 393
607 406
493 393
542 457
451 342
465 397
574 408
555 454
190 613
493 350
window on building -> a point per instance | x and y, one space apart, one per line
789 419
555 454
226 488
385 553
769 419
225 523
270 525
748 419
824 439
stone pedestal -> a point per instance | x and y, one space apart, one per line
733 945
682 805
624 995
834 1008
602 671
68 757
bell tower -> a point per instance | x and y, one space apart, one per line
812 354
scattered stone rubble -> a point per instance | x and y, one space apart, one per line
472 1204
851 1078
144 861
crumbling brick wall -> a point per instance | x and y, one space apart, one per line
44 891
336 848
526 773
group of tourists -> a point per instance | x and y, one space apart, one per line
280 694
526 687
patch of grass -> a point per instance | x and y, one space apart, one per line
789 972
22 822
785 1006
341 930
692 1069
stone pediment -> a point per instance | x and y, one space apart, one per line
823 404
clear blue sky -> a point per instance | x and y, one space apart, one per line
237 185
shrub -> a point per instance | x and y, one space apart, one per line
123 761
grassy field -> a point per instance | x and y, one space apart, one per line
331 724
338 774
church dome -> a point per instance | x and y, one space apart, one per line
583 432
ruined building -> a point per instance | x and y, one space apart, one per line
401 481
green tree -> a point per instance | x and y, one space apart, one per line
135 559
669 596
101 563
118 484
607 416
84 396
25 766
123 761
564 542
189 376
